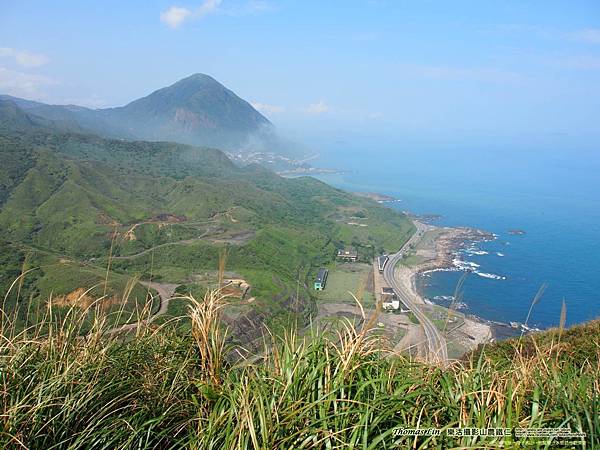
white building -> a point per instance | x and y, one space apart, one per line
389 300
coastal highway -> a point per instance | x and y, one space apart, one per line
438 351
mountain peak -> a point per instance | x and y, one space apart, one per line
189 86
199 77
196 110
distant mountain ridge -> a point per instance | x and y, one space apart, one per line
197 110
14 118
71 117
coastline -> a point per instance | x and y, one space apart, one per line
447 254
436 250
448 242
379 198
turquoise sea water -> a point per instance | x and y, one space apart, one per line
554 196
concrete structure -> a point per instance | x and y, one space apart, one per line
348 254
389 299
381 262
321 279
387 293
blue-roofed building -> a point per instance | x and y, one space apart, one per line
321 279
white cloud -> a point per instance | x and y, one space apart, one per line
207 7
268 109
22 84
317 108
24 58
588 35
175 16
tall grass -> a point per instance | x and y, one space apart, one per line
159 388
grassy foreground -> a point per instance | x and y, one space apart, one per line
160 388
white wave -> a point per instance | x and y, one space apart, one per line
465 265
494 237
441 269
476 252
471 264
460 305
450 299
491 276
499 254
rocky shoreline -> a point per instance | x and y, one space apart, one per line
379 198
437 251
452 240
448 243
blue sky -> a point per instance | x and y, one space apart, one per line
525 71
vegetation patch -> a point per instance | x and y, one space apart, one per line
172 389
346 280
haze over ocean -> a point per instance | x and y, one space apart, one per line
550 194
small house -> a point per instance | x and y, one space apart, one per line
348 254
389 299
321 279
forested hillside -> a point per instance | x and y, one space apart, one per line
82 204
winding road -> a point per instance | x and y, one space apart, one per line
165 292
167 244
438 351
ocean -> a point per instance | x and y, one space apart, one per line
551 195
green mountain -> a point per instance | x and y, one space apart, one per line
14 119
69 118
77 207
196 110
